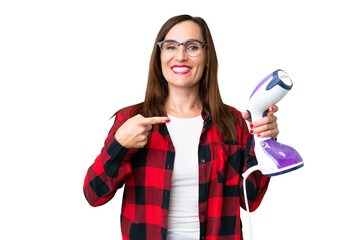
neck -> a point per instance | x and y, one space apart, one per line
184 103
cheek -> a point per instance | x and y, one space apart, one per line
164 67
202 66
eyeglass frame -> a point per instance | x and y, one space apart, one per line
190 40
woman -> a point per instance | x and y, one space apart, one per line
183 142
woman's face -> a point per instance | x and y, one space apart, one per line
181 70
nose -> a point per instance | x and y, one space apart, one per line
181 54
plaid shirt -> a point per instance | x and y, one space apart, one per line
146 173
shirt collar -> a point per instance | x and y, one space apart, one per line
207 123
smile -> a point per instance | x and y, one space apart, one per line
183 69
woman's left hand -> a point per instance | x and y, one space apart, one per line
265 127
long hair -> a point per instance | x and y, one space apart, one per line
157 89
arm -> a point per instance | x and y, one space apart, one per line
110 168
256 183
113 165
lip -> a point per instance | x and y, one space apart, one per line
181 66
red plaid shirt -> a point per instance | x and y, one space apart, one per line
146 173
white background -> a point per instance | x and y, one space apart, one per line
67 66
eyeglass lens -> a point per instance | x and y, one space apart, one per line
192 48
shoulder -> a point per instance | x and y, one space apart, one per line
125 113
236 113
121 116
241 126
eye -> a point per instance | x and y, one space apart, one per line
170 46
193 46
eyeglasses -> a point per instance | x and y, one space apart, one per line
192 47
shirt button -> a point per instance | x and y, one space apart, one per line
203 213
202 237
202 160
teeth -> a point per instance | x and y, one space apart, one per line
181 69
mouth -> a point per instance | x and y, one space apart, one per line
181 69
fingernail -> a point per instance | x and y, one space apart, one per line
167 120
251 131
251 125
259 135
271 108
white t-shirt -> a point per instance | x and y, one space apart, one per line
183 216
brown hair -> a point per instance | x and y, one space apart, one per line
157 89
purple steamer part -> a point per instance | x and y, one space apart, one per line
286 158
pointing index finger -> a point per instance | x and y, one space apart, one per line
155 120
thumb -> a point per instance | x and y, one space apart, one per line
246 116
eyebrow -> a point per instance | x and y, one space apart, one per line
192 39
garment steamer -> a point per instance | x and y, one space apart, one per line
273 158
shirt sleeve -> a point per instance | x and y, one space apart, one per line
109 169
256 183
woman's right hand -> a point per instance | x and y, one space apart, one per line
135 131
